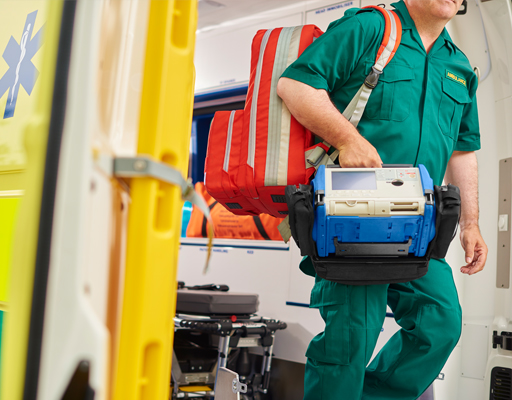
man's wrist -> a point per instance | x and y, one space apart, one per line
469 225
347 138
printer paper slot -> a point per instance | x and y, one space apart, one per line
404 207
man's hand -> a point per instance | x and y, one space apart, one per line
475 249
359 153
462 171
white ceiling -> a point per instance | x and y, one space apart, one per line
215 12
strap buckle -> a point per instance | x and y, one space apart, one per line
373 78
316 156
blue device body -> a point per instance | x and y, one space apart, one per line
420 229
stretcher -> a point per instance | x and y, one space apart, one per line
214 330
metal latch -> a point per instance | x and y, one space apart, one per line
132 167
504 340
429 197
239 387
319 198
145 166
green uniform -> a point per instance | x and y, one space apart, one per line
422 110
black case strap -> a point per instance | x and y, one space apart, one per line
301 217
260 227
448 207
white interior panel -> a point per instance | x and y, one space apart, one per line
223 56
474 350
473 42
470 389
446 386
323 16
299 284
498 28
214 13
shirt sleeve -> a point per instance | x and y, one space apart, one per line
469 131
328 62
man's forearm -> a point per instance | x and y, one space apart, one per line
462 171
314 110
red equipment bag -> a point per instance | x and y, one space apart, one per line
272 137
259 166
222 162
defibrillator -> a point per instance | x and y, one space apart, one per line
365 226
377 212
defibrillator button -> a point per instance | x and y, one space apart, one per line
397 182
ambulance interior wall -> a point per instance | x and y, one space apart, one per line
274 275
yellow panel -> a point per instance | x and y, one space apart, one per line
12 180
25 147
18 75
8 212
149 300
1 328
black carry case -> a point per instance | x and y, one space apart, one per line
208 302
374 270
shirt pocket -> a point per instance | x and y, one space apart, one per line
453 99
389 101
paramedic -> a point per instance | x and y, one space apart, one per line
423 111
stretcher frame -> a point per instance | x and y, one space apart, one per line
154 220
252 331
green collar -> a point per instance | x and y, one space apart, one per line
408 23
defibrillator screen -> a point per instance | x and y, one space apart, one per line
353 180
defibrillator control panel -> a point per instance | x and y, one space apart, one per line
364 192
373 212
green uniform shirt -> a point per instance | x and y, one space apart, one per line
424 106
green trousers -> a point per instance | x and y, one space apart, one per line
429 314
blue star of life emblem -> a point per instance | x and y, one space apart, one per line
22 71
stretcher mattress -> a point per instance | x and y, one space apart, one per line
206 302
